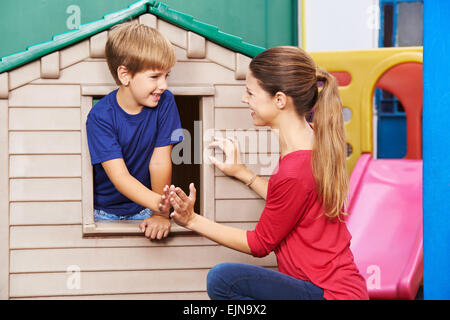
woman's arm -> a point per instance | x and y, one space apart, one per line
259 185
230 237
185 216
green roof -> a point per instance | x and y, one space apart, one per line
138 8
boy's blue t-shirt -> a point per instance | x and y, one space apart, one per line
112 133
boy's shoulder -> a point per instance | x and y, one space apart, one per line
167 93
166 102
167 96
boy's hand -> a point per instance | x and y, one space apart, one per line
164 205
155 227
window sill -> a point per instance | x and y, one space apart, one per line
123 228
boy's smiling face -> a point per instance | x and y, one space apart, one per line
148 85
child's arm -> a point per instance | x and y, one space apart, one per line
155 227
160 168
129 186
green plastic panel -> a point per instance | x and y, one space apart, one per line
65 39
253 16
208 31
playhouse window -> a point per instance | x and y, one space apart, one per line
187 167
188 171
401 25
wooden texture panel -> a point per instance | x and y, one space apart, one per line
239 210
261 141
44 142
45 189
97 44
119 282
45 96
116 259
24 74
199 72
196 47
29 166
175 35
74 53
242 64
220 55
228 188
85 72
149 20
71 237
44 119
233 118
229 96
41 213
4 198
50 66
200 295
260 164
4 85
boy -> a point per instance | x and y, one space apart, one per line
129 131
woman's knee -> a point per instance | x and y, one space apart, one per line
217 281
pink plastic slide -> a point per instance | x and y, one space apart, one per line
386 225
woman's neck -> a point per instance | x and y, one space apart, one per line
294 133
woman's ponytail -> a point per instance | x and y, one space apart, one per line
291 70
329 150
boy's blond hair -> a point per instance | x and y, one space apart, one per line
138 47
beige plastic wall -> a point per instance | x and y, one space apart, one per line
42 179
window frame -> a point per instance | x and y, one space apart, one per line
130 227
394 4
378 94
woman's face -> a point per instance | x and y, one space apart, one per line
260 102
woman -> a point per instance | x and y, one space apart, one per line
305 196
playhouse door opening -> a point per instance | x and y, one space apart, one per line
189 171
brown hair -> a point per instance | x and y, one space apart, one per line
137 47
292 71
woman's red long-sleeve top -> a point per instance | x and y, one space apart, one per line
308 245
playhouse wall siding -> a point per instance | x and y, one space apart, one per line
41 183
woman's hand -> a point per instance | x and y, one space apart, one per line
183 205
230 147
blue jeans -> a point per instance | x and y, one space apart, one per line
102 215
236 281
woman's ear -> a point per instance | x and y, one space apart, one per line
280 99
124 75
